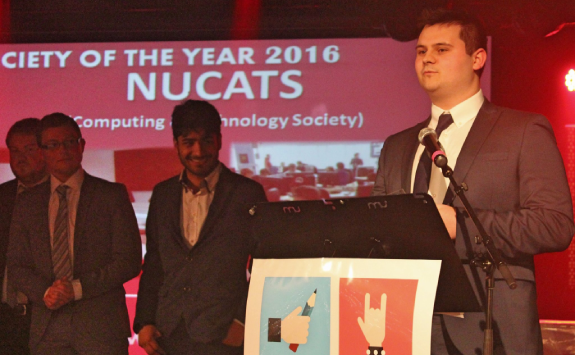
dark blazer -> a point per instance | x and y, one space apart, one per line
7 199
518 187
206 285
107 253
14 328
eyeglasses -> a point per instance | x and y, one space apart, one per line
67 144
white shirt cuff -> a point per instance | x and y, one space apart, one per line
77 289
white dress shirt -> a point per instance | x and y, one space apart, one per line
453 137
195 206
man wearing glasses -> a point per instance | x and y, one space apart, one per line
74 242
28 166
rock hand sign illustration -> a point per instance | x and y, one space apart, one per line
373 325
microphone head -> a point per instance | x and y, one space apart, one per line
426 132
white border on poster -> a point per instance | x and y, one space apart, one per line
425 271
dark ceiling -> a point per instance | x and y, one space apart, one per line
155 20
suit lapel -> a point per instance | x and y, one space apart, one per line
44 240
174 211
11 201
86 197
409 155
484 122
224 189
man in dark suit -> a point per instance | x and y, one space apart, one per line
193 286
517 183
74 241
27 164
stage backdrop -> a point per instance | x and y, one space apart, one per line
294 112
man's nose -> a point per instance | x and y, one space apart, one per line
19 157
198 148
428 57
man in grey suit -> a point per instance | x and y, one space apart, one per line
193 288
516 178
29 168
74 241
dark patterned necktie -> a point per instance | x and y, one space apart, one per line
61 246
423 173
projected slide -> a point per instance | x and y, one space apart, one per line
306 118
300 108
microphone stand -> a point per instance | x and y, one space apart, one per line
488 264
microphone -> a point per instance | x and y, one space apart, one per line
428 138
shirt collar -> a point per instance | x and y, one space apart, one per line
462 112
21 187
209 182
74 182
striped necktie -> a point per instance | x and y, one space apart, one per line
60 248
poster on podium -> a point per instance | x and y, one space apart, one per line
330 306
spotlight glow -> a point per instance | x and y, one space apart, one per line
570 80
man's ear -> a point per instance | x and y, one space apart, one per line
479 58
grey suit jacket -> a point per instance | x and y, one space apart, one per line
205 286
518 187
107 253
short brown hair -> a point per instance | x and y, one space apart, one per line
57 119
192 115
27 126
472 32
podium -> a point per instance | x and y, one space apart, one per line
386 227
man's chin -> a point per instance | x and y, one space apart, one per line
428 85
21 172
201 172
